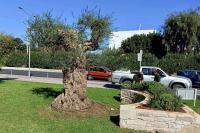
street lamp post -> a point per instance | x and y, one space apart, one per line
28 46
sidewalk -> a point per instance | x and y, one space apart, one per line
99 84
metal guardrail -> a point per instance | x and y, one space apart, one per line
34 72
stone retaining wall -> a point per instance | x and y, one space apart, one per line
136 118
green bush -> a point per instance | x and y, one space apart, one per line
156 88
17 59
114 59
166 101
140 86
161 97
41 60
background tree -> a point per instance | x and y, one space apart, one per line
135 43
180 31
157 45
150 43
8 45
68 46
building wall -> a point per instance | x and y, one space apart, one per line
117 37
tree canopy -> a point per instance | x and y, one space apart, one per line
150 43
50 33
181 31
9 43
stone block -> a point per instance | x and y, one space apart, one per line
148 119
136 122
129 114
160 125
184 119
164 119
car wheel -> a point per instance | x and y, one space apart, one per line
175 86
109 78
127 82
89 77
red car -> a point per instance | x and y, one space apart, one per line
98 72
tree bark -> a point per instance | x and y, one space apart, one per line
74 96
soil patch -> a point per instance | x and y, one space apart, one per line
96 110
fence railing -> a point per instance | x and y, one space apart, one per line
186 93
34 72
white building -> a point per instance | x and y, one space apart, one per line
117 37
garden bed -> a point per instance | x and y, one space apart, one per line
140 117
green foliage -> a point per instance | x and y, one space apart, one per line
135 43
138 86
115 59
176 62
66 45
43 30
41 60
94 27
150 43
161 97
181 31
112 59
166 101
8 45
156 89
17 59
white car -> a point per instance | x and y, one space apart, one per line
168 81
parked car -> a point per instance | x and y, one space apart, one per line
193 75
98 72
168 81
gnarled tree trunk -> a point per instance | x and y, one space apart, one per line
74 96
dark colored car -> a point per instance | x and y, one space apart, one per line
193 75
98 72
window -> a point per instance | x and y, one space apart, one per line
147 71
99 69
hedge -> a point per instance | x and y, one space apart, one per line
171 63
113 59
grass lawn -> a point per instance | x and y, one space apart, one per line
190 103
22 102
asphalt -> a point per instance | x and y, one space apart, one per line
90 83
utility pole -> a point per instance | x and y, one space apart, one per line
28 45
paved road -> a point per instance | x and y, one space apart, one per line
92 83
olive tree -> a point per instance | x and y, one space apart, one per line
68 46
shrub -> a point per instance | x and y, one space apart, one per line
140 86
161 97
41 60
17 59
156 88
166 101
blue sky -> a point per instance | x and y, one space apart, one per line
127 14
